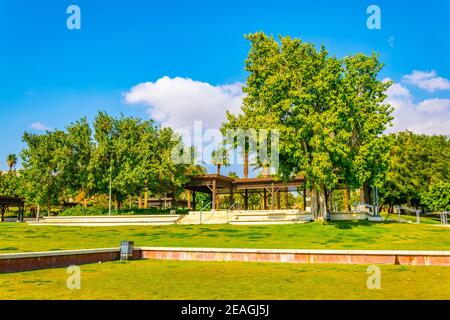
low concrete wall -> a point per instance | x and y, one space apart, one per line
438 258
15 262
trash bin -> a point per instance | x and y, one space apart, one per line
126 249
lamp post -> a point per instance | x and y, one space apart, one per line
109 212
110 187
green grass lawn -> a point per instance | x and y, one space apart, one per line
412 218
152 279
17 237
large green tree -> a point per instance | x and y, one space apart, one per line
43 162
329 112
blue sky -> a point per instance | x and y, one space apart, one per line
51 76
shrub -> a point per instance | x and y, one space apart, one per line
438 197
97 211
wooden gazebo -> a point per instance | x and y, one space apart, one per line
215 184
6 202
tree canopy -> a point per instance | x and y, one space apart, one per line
131 153
330 112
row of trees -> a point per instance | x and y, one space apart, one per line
329 112
129 154
418 172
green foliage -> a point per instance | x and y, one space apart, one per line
11 184
43 163
134 154
96 211
220 157
329 112
438 197
415 163
11 160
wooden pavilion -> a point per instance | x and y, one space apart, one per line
215 185
6 202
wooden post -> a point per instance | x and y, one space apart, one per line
145 198
140 201
273 197
194 203
286 198
279 199
265 199
246 199
231 196
214 193
188 195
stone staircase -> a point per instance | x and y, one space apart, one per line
117 220
270 217
207 217
245 217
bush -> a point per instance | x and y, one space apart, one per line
438 197
98 211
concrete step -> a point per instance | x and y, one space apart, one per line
265 222
102 224
108 220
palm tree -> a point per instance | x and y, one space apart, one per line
11 160
220 157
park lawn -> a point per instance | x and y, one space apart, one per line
18 237
153 279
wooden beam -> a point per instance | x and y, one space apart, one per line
214 193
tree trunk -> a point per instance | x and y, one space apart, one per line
49 206
116 203
322 201
38 209
218 169
145 199
364 194
245 163
314 203
140 201
318 204
346 200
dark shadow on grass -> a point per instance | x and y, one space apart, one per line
8 248
350 224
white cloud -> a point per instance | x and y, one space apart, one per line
427 80
430 116
396 90
39 126
178 102
434 106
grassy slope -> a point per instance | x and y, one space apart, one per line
150 279
383 236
